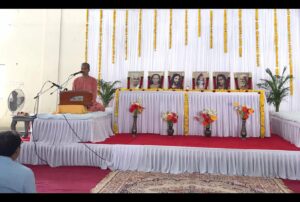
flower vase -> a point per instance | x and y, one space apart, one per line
243 131
207 131
134 129
170 129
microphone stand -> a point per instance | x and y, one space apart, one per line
63 84
62 88
37 97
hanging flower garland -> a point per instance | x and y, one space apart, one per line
170 29
211 29
225 31
86 35
155 29
290 50
186 28
199 22
276 42
257 38
114 36
140 33
240 34
126 35
100 46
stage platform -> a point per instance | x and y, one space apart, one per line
267 157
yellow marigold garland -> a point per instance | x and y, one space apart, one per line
140 33
186 28
100 47
240 33
199 22
170 29
115 128
225 31
211 29
290 50
126 35
86 35
276 42
257 38
262 113
186 114
114 36
155 30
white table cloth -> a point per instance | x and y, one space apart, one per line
286 125
157 102
54 129
229 123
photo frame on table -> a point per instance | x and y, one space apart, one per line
200 80
175 79
155 79
221 80
243 80
135 79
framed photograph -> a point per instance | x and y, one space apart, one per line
243 80
221 80
176 80
155 79
135 79
200 80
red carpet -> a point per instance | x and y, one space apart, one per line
66 179
274 142
82 179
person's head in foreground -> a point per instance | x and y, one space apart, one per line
14 177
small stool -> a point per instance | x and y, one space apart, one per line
25 119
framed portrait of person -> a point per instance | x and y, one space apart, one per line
221 80
200 80
155 79
175 80
135 79
243 80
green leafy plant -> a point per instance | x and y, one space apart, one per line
275 87
107 91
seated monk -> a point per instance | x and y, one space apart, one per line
88 83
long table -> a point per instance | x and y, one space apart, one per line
187 104
55 128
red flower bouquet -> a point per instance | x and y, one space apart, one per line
243 111
136 108
170 117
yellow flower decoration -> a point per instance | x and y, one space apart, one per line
251 111
236 104
213 117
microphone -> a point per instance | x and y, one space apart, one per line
56 85
77 73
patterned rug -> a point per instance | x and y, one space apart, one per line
143 182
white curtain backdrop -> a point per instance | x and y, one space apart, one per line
197 55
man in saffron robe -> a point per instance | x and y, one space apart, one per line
88 83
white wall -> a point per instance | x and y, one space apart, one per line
35 46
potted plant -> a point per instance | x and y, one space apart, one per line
107 91
275 87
